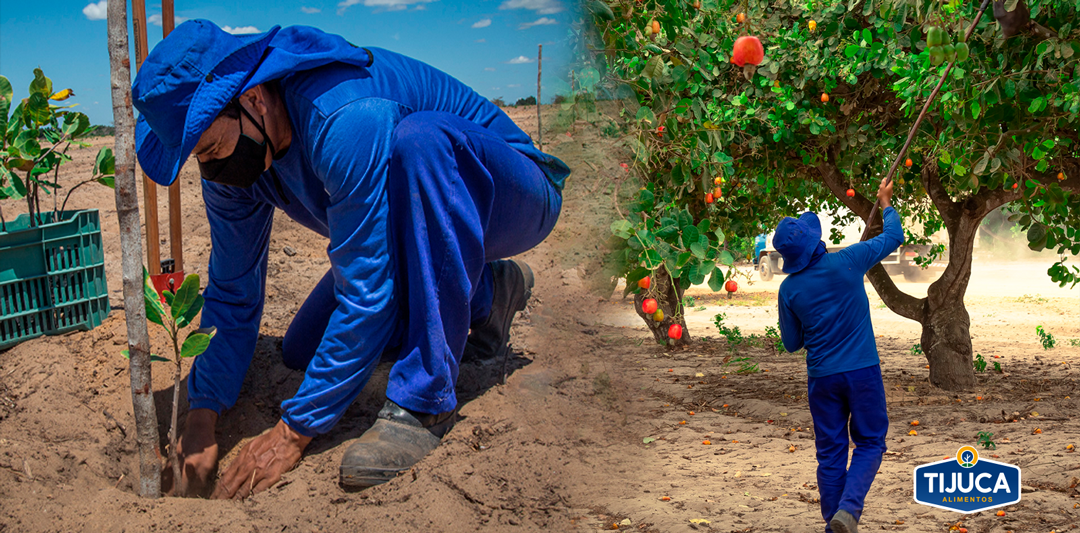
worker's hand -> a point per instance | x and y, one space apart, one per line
884 193
262 462
198 453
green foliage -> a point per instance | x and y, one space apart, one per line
733 335
746 365
1045 338
997 367
984 440
35 139
980 363
176 312
1007 115
1074 343
916 349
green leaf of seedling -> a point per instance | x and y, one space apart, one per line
169 296
192 312
154 310
5 104
108 181
197 342
648 440
154 358
105 163
41 85
185 295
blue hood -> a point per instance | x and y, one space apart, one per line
192 74
797 240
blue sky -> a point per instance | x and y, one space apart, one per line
490 45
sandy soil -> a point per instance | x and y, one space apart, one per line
560 445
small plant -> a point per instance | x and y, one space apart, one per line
980 363
182 308
733 335
997 367
1075 343
688 301
746 365
984 440
772 336
1045 338
916 349
34 143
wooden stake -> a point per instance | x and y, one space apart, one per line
915 127
127 211
176 231
153 245
539 69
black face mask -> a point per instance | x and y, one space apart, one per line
244 166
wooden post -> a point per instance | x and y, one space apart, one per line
176 232
153 245
539 69
127 211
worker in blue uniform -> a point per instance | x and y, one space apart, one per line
421 186
823 307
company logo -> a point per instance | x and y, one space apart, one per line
968 483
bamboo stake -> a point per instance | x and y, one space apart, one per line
153 245
176 231
539 69
127 211
915 127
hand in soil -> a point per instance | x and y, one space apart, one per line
199 452
262 462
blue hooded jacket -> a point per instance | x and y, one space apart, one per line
343 103
824 306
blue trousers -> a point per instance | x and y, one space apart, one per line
459 197
841 403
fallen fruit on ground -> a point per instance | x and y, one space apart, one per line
706 442
813 25
1036 431
644 283
665 499
1001 513
1070 447
682 422
674 332
913 433
649 306
747 51
1061 176
914 422
791 448
1015 185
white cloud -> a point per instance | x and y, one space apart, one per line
482 23
98 11
496 88
383 5
240 30
489 69
310 10
541 7
542 21
513 85
519 60
420 7
480 41
155 19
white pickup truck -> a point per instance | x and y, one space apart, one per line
899 263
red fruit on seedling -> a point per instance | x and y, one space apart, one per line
709 198
907 163
851 193
674 332
644 283
824 98
747 51
740 18
649 306
731 286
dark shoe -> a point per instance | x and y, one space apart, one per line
490 339
397 440
843 522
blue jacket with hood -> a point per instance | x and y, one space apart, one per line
824 306
343 103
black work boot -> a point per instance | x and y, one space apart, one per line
397 440
844 522
490 338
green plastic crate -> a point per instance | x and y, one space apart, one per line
52 277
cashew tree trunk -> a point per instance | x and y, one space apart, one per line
668 297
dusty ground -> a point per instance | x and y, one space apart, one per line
560 445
